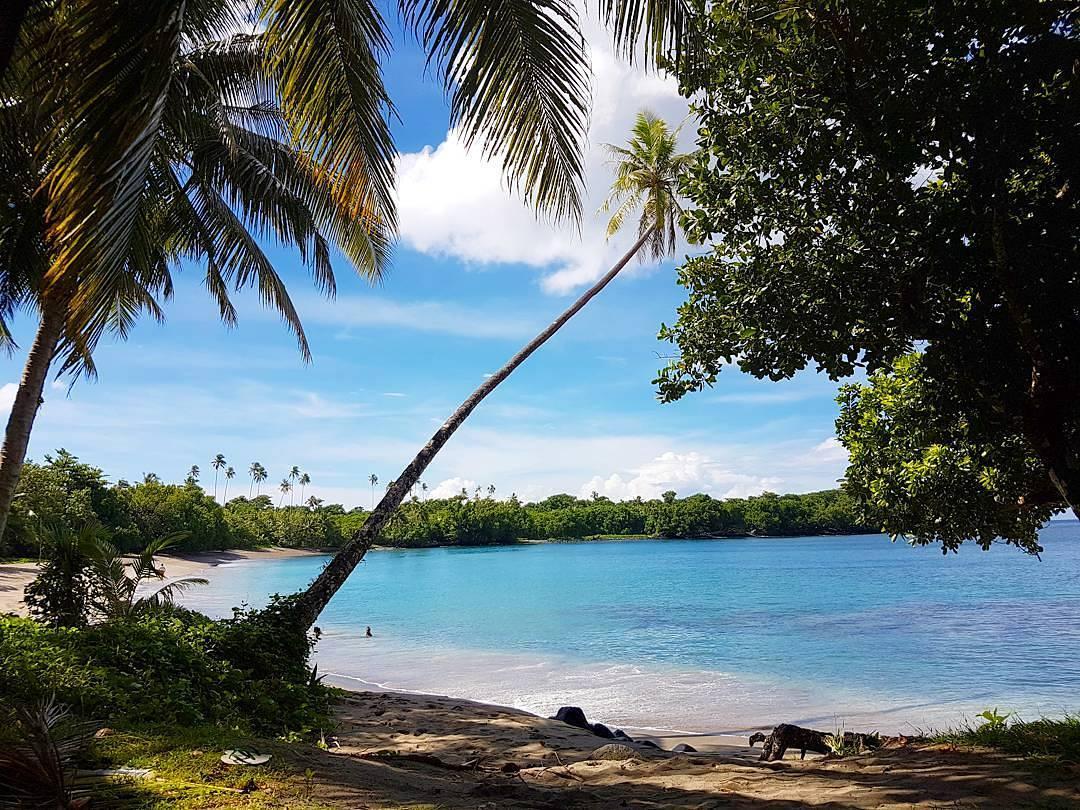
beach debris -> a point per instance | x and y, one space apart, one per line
614 752
786 736
684 748
243 756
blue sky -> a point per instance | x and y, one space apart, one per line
473 277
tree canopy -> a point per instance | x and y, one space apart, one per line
65 495
883 179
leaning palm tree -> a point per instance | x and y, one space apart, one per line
647 174
285 486
230 474
218 463
111 104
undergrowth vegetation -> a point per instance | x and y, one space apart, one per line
171 665
1053 740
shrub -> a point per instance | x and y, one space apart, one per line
169 666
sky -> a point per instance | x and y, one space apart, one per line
474 276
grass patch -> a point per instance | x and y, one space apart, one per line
1044 739
188 773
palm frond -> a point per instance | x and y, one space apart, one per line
168 593
324 56
663 28
118 57
517 75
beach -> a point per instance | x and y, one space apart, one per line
14 577
390 748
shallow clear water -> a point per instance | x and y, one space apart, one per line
706 635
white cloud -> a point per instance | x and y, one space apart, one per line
451 487
425 316
7 396
453 203
392 394
829 450
686 473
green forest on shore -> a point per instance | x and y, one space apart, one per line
62 490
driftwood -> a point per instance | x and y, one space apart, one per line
786 736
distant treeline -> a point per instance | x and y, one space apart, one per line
65 490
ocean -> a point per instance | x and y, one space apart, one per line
712 636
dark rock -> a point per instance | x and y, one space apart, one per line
649 744
572 716
622 735
600 730
683 748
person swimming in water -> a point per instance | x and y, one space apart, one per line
368 632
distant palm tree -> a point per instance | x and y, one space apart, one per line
218 463
647 175
373 479
193 474
285 486
305 479
314 503
294 475
258 474
151 478
491 490
423 490
230 474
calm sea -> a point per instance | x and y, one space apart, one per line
706 635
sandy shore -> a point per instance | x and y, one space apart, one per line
14 577
396 750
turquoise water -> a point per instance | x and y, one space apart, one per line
707 635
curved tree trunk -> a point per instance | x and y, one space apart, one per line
24 408
318 594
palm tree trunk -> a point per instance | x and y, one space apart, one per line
24 408
312 601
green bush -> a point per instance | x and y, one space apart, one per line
170 666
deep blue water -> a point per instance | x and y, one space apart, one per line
708 634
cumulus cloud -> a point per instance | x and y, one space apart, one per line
7 395
829 450
451 487
685 473
454 203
